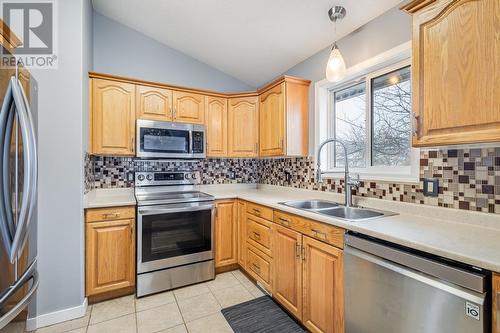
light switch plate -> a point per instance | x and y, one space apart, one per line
431 187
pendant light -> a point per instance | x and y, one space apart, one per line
335 68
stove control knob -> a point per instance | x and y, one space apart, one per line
149 177
193 175
140 177
186 176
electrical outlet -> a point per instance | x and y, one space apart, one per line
431 187
130 176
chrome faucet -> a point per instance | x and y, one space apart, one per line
349 182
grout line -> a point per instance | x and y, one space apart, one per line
135 315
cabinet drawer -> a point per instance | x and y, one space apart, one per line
110 213
259 234
260 211
320 231
259 266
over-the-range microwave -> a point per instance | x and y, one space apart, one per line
162 139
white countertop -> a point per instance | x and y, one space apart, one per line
112 197
465 236
469 237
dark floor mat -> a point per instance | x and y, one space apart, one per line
260 315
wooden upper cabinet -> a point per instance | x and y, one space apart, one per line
243 127
323 287
216 123
153 103
189 107
112 118
226 238
284 125
287 274
456 61
272 122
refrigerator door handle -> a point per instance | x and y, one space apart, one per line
28 158
7 227
30 274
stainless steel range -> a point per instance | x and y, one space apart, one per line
175 231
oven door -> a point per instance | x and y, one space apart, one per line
169 140
174 234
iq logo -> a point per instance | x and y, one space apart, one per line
33 23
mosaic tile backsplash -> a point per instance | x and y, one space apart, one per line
468 178
110 172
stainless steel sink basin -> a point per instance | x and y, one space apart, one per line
310 204
352 213
335 210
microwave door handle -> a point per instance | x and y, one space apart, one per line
190 142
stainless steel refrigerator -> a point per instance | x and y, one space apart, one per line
18 197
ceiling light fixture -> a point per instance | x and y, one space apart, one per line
335 68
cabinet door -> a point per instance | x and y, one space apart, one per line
110 256
272 122
456 86
226 241
113 117
496 303
242 233
216 120
323 303
189 107
153 103
243 127
287 261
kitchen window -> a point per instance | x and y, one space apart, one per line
370 112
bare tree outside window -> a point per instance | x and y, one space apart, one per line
350 125
391 113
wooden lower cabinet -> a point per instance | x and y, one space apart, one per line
226 237
496 303
322 273
288 269
110 255
242 234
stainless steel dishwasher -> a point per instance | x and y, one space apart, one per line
390 289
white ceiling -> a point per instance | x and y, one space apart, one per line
251 40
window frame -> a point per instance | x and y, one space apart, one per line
382 64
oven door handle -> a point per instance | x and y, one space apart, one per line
169 209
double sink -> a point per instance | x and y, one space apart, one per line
335 210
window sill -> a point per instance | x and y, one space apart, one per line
392 178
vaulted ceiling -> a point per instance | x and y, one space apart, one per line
253 41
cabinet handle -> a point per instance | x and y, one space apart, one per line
110 215
256 147
415 123
284 221
319 233
303 253
281 143
297 250
133 144
175 112
131 233
254 265
256 235
256 211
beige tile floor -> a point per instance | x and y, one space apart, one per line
190 309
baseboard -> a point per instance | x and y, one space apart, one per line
56 317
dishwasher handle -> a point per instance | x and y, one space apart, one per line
458 291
